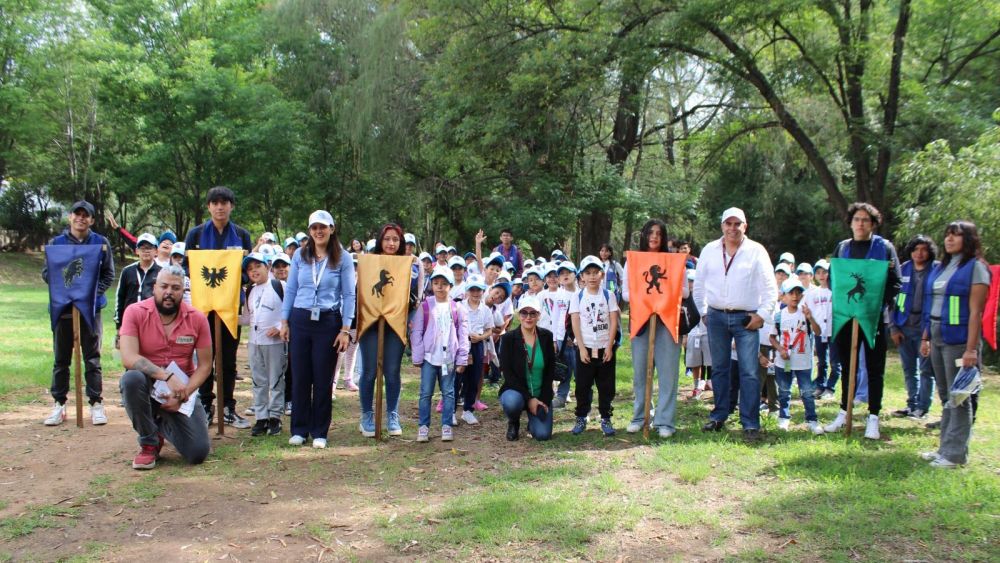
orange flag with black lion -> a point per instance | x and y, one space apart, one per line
655 288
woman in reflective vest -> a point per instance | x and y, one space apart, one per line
954 300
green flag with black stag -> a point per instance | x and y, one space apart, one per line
858 288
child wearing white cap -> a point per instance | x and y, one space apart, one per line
565 348
819 299
697 354
439 337
266 349
791 338
481 321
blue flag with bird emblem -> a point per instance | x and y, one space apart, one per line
73 271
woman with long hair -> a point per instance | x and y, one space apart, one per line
666 350
389 241
954 300
316 316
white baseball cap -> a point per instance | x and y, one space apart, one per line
370 245
321 217
290 241
426 256
530 272
734 212
456 262
281 258
804 267
508 266
475 281
409 238
503 276
300 236
565 265
822 263
787 257
783 268
548 268
589 261
146 238
442 272
790 284
529 302
178 249
452 249
269 236
440 248
495 257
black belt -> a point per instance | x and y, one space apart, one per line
733 310
933 318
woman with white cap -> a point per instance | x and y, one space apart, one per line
316 318
527 362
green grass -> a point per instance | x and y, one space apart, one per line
35 517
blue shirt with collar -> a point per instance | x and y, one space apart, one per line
336 289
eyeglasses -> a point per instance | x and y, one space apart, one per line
857 219
528 314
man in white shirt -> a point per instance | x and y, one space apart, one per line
735 291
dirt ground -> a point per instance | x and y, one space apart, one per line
280 504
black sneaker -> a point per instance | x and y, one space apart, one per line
259 427
751 435
512 429
581 425
713 426
901 413
274 427
230 417
607 427
210 415
933 425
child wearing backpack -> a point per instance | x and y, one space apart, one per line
791 338
595 318
561 327
265 347
480 316
439 337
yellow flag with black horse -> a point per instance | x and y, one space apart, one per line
384 291
215 284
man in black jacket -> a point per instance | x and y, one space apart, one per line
219 233
137 279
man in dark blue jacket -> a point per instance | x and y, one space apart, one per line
81 219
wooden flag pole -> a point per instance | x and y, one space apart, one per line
378 378
219 400
77 367
651 333
852 377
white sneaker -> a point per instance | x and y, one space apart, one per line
446 435
469 418
422 434
288 408
837 423
665 432
319 443
826 395
97 414
815 427
296 440
454 420
929 456
871 428
943 463
248 411
784 423
632 428
57 417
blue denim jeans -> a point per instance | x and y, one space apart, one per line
723 329
513 405
826 355
444 377
567 354
666 361
392 356
804 379
918 373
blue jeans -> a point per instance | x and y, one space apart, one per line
723 329
918 374
804 379
666 361
568 356
445 379
467 383
513 405
826 354
392 356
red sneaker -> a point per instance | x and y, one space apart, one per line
146 458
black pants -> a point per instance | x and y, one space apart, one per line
229 346
874 363
467 382
597 371
90 349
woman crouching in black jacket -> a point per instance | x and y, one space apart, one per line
527 362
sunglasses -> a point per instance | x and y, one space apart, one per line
528 314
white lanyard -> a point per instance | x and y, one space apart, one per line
257 305
142 278
318 271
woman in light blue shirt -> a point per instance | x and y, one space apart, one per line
316 318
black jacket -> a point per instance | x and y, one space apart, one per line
514 364
130 290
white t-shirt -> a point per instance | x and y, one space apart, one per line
457 292
793 333
820 302
595 317
262 313
480 318
555 307
444 324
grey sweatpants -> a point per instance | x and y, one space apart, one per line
188 434
267 367
956 422
666 359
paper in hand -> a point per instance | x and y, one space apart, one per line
161 390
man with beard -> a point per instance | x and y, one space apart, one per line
154 334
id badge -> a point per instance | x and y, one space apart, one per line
314 314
